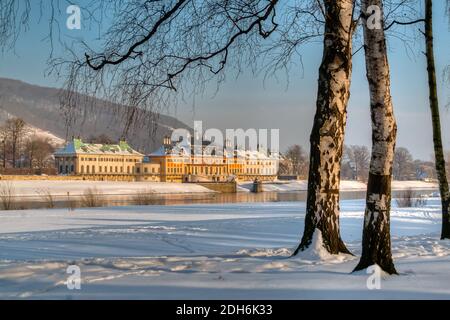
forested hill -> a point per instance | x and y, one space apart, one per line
40 107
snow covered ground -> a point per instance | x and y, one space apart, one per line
230 251
346 185
31 188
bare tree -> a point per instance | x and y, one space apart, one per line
403 164
358 158
4 140
376 246
15 128
424 169
436 121
38 151
297 159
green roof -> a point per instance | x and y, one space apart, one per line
78 146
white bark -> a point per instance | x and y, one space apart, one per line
376 233
327 136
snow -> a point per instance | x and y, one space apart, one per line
77 187
346 185
30 188
226 251
316 253
34 131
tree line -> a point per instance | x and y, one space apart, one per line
356 161
21 150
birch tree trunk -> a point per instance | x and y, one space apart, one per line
327 137
376 243
436 121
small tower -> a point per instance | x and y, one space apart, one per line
167 141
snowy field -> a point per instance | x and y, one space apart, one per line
346 185
31 188
231 251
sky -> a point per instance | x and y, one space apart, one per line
249 102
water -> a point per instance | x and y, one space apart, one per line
182 199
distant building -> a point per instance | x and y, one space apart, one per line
173 162
179 162
147 171
80 158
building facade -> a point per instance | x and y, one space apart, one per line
99 160
181 163
173 162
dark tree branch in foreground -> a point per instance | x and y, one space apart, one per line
156 52
405 23
131 53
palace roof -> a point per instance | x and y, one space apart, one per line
77 146
187 150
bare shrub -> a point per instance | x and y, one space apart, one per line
46 197
409 199
144 198
7 195
91 198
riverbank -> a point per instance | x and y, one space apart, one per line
27 188
346 185
232 251
75 194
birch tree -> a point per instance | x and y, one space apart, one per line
327 137
376 242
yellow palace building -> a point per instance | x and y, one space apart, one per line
179 163
99 160
173 162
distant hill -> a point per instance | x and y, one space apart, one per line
40 107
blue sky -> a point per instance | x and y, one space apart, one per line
248 102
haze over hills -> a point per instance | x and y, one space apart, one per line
40 107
